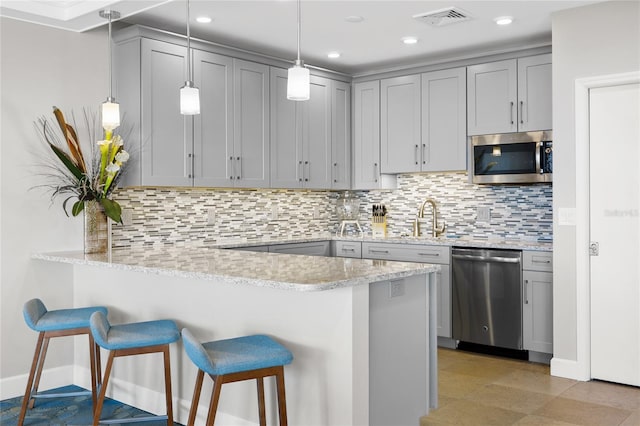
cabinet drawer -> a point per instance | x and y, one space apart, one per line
407 252
320 248
537 261
348 249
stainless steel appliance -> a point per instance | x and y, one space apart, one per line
512 157
487 296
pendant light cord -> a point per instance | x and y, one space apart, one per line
189 76
110 64
298 32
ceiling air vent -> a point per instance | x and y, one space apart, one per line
438 18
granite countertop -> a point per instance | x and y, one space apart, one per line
513 244
280 271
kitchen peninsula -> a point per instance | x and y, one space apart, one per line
362 332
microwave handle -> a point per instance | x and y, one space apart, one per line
539 157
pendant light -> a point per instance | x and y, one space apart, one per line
110 108
189 94
298 84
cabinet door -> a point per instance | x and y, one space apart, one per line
444 301
491 98
316 135
534 93
167 142
537 312
366 135
340 135
286 155
213 127
444 120
400 124
251 124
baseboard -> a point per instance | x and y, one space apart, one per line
10 387
154 402
540 357
568 369
446 342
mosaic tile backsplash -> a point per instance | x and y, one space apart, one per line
197 216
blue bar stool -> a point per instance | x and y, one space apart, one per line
234 360
58 323
134 339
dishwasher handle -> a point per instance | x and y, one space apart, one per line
486 258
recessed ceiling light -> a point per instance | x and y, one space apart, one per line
203 19
503 20
354 19
333 55
409 40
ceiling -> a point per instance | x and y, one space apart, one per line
269 26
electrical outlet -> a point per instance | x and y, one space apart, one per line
127 217
396 288
211 216
483 214
274 212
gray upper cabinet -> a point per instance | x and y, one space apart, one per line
534 93
213 127
301 135
444 121
509 96
340 135
366 135
226 145
400 142
250 163
166 144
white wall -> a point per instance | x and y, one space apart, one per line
41 67
594 40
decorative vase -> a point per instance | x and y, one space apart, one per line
96 228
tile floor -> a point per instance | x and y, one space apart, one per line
477 389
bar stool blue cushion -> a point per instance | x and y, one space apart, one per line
134 335
38 318
235 355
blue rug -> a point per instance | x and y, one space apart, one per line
68 411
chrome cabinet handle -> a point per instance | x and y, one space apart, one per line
526 294
307 171
335 173
375 172
349 250
191 174
233 167
424 149
301 170
379 251
239 167
415 155
511 112
429 254
521 112
533 260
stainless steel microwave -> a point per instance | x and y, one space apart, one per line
512 158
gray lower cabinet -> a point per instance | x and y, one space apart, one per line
438 254
300 135
226 145
316 248
537 312
351 249
366 138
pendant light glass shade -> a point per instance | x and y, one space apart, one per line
110 114
298 83
298 80
189 99
189 94
110 108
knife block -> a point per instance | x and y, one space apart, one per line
379 227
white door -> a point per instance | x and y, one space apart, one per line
614 119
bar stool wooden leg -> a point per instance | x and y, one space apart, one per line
261 410
103 389
94 379
167 385
215 396
34 365
282 402
43 355
196 398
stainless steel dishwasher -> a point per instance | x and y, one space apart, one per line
487 296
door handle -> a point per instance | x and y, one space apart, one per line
511 112
521 112
239 167
526 294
